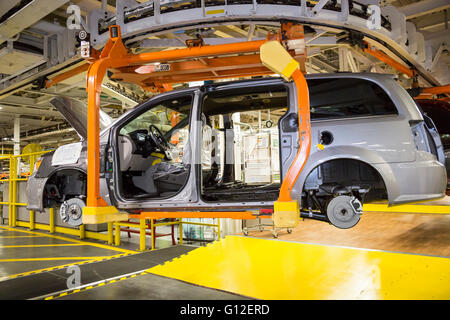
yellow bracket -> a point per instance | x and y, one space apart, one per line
275 57
96 215
286 214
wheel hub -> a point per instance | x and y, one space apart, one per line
341 212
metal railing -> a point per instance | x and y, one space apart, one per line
143 226
12 204
110 237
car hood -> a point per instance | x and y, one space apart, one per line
75 113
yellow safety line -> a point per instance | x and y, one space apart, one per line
4 237
95 286
71 240
52 258
43 270
407 208
45 245
61 266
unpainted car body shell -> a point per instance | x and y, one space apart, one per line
383 142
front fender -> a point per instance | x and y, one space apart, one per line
369 157
35 193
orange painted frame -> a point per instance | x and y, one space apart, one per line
304 132
195 214
115 55
380 55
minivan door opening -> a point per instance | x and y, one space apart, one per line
240 144
152 150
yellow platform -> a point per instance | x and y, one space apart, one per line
439 206
274 269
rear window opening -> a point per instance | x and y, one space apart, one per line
348 98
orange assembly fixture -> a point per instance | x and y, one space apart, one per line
115 56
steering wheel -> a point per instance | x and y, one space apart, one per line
158 138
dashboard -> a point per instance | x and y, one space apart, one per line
142 141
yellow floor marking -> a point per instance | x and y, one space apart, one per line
59 266
273 269
44 270
95 286
70 240
5 237
52 258
45 245
407 208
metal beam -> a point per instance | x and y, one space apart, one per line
5 6
421 8
437 20
26 16
30 111
121 97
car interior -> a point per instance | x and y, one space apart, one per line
153 149
244 153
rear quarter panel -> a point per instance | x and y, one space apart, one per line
384 142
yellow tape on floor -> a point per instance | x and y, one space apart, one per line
273 269
69 240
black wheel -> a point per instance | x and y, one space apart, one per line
341 213
289 230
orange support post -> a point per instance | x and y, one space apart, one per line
97 210
304 136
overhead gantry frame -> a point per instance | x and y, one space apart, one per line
114 55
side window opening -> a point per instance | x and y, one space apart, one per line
348 98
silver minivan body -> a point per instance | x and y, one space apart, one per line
395 145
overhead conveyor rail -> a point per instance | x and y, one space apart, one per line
143 24
394 34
